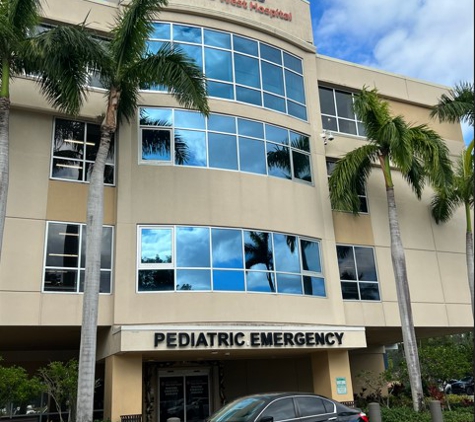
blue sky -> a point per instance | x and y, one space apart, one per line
432 40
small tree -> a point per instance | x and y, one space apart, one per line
16 387
60 380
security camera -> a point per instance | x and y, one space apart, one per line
330 137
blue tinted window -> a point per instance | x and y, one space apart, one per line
222 151
154 46
189 119
190 148
161 31
294 84
250 96
231 281
286 253
192 247
260 281
250 128
245 45
272 78
270 53
278 161
314 286
247 71
255 67
194 52
220 123
216 145
216 89
258 250
225 259
301 166
156 145
218 64
289 283
217 39
300 141
296 110
293 63
187 33
310 256
156 245
274 103
227 248
252 155
156 117
193 280
277 134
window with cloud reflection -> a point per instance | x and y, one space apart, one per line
185 138
191 258
238 68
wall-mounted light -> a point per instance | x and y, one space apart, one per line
327 136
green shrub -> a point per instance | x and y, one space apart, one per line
407 414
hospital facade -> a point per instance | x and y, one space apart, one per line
224 269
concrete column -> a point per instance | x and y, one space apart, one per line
328 368
435 411
123 386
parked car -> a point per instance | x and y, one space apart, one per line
446 386
463 386
275 407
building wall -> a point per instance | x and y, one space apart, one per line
174 195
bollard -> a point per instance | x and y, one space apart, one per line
374 412
435 411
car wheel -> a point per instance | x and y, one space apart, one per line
469 391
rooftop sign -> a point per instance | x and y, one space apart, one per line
259 7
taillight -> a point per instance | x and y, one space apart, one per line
363 417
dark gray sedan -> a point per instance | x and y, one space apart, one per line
288 407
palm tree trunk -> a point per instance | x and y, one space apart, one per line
404 302
469 254
95 211
4 135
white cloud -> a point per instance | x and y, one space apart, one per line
426 39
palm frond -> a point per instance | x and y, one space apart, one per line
443 205
374 113
175 70
458 105
431 148
23 15
349 177
415 176
61 58
133 28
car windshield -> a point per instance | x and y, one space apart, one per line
240 410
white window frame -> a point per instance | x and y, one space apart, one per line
79 267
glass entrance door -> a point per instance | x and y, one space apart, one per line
184 395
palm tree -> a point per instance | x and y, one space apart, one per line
126 66
418 153
59 58
259 251
458 106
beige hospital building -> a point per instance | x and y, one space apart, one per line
224 269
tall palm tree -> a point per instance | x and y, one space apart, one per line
59 59
418 153
458 106
126 66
